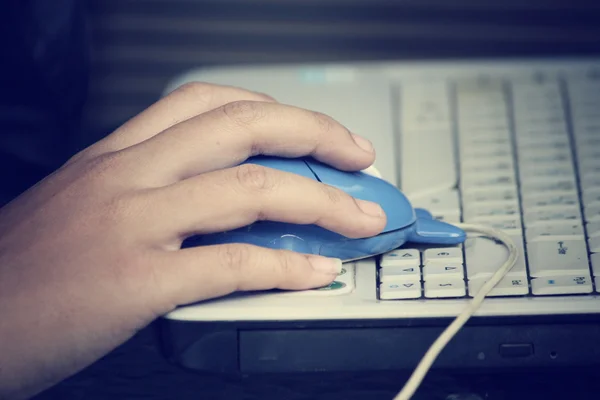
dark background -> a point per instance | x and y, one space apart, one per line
71 71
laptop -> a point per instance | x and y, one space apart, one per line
511 144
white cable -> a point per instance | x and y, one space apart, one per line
436 348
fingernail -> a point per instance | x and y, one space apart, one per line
326 265
363 143
370 208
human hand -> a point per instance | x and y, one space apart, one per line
92 253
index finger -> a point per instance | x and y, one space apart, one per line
229 135
185 102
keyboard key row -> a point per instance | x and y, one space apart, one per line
539 204
401 277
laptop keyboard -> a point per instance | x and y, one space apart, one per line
529 164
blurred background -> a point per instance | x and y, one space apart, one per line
138 45
74 70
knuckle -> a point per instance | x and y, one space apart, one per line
102 167
325 122
234 256
244 112
198 91
334 196
285 263
123 209
254 177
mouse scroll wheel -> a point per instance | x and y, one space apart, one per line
373 172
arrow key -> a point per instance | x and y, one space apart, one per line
443 271
400 258
447 287
402 272
397 290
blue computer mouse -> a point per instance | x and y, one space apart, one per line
404 223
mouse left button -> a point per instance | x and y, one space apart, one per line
295 166
293 243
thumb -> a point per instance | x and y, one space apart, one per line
199 273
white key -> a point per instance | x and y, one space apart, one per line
590 182
474 144
556 256
537 170
588 152
548 185
565 284
551 199
468 127
449 287
475 162
588 164
591 197
593 229
443 202
399 273
419 177
539 130
555 228
487 180
486 151
594 244
570 213
553 142
586 141
450 217
534 174
483 133
508 286
489 195
595 259
479 191
467 142
586 128
589 175
443 255
442 271
510 208
545 153
501 222
592 213
483 257
500 167
401 258
532 160
410 289
528 137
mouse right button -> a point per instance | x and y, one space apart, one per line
436 232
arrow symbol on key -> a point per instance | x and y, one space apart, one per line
407 255
407 284
449 268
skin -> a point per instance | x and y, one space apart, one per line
91 254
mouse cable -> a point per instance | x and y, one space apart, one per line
436 348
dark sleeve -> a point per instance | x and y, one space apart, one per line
43 86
